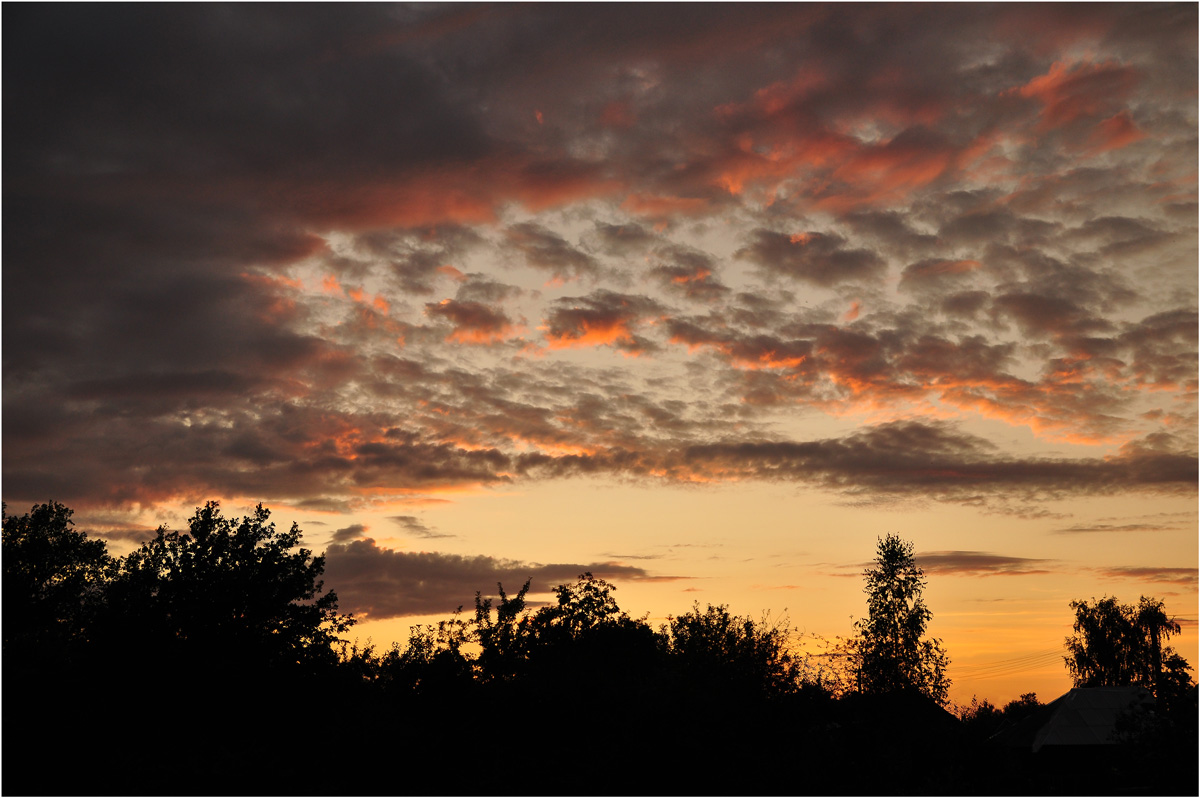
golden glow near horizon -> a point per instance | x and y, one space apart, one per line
705 311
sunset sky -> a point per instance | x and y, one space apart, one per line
701 298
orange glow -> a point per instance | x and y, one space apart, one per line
1114 133
466 335
1069 93
556 448
767 360
538 116
273 280
451 272
378 303
592 333
740 357
698 276
770 100
891 172
330 285
801 238
852 313
662 206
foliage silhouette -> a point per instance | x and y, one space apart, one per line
54 583
208 639
733 652
982 719
1118 644
221 642
890 651
234 589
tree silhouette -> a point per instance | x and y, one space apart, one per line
231 591
1118 644
733 653
890 652
54 585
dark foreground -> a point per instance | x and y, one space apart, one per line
236 733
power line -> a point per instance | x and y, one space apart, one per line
1010 666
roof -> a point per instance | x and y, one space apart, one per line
1083 716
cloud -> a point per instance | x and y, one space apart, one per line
173 216
818 258
1069 92
377 583
896 459
414 526
546 250
1079 529
603 318
937 271
979 563
688 272
1186 577
352 532
474 322
621 239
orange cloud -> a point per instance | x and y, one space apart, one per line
451 272
591 332
1114 133
474 322
1070 93
657 206
378 303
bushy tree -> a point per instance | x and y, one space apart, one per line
1118 644
232 591
54 584
734 652
891 652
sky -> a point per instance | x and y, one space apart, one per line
703 299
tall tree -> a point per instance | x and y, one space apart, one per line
1118 644
891 651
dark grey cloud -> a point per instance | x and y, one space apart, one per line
473 322
181 175
481 288
415 259
952 274
546 250
377 583
688 272
621 239
601 318
820 258
896 459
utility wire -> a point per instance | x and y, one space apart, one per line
1009 667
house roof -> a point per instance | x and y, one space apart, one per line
1083 716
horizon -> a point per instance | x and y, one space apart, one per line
702 299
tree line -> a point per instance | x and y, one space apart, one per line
214 661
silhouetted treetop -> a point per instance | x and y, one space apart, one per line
1118 644
891 651
227 583
54 579
734 652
